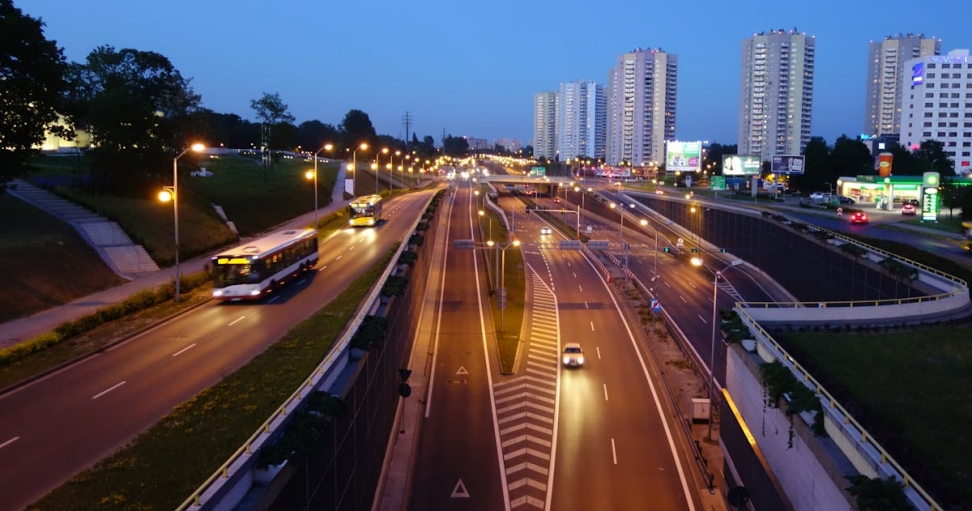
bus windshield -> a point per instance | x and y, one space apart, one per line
362 210
234 274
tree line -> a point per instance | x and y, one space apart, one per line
131 111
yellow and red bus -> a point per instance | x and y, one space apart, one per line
365 211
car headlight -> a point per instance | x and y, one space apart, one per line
580 360
566 359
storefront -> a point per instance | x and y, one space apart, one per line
877 189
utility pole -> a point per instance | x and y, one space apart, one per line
406 123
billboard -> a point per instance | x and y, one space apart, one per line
683 156
884 164
783 164
918 73
735 165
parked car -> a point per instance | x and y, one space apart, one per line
573 355
914 202
817 196
858 217
843 199
545 231
908 209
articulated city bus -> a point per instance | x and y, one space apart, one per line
257 268
365 210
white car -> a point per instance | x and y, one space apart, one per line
544 231
573 355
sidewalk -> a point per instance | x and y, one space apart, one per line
24 329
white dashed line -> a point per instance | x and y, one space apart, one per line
598 349
683 299
96 396
183 350
322 268
592 326
235 321
273 299
338 257
8 442
703 319
605 393
614 452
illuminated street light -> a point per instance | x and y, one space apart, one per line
354 164
172 193
327 147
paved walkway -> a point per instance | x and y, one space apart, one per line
23 329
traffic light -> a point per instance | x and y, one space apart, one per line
695 251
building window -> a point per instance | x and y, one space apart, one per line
942 124
931 65
941 134
929 95
928 104
926 125
926 133
931 75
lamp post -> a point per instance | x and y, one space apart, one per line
354 163
384 150
172 193
391 170
327 147
715 294
501 290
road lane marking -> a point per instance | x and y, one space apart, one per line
592 326
183 350
614 452
322 268
575 275
598 349
235 321
351 248
301 281
683 299
703 319
693 285
273 299
96 396
667 284
8 442
586 306
605 393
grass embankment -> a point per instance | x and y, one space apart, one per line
167 463
45 262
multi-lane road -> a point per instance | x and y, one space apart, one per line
55 427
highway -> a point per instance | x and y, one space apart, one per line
588 438
56 427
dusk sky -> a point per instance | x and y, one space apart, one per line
472 68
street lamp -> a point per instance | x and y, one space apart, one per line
354 164
501 290
384 150
172 193
715 293
327 147
391 169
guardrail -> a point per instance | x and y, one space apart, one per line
233 474
885 461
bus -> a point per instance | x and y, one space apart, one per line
365 210
257 268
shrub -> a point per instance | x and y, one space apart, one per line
408 257
416 239
394 286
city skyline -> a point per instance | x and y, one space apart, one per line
474 73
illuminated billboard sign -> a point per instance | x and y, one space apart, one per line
683 156
735 165
783 164
918 73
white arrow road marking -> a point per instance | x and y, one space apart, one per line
460 491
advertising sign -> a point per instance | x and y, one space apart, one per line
930 206
683 156
884 164
734 165
787 164
918 73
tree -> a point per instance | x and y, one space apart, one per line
270 109
32 73
357 129
932 158
878 494
816 172
138 109
312 135
903 162
455 146
850 157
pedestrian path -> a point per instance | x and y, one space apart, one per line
24 329
116 249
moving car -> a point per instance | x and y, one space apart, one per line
843 199
914 202
546 230
858 217
573 355
556 200
908 209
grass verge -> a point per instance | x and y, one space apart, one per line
509 322
164 465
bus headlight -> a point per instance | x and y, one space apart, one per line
255 292
218 293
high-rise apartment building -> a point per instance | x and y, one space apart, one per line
545 125
937 105
885 68
641 106
776 93
582 114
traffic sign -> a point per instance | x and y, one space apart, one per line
655 306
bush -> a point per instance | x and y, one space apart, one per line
370 333
408 257
417 240
394 286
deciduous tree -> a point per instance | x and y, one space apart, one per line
32 76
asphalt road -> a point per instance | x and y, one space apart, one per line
457 464
55 427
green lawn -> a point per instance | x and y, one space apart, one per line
36 252
911 389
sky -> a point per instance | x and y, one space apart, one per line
472 68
